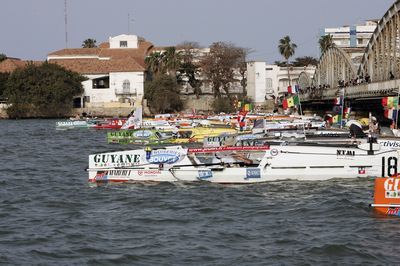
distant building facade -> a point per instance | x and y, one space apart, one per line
353 39
271 81
114 70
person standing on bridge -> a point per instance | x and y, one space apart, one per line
391 76
367 78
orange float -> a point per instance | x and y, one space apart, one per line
387 196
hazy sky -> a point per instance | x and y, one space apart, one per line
30 29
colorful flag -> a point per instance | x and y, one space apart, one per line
290 102
241 116
346 112
293 89
390 102
296 100
337 119
285 104
391 113
395 102
338 101
384 101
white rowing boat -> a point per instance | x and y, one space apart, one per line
241 165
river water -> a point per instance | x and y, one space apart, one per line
50 216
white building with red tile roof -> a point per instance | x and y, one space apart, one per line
115 70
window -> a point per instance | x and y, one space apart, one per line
123 43
126 86
101 83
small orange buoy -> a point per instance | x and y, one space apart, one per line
387 196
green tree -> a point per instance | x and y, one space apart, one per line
154 63
189 71
280 63
42 91
3 57
162 94
305 61
287 50
222 104
3 82
89 43
325 42
220 66
164 62
171 61
242 68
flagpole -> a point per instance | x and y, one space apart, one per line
301 110
341 114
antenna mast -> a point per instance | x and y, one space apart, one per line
65 22
129 23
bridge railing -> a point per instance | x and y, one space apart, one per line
365 90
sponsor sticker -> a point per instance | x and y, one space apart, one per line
143 134
274 152
389 143
253 173
115 159
148 172
204 174
393 211
165 156
101 176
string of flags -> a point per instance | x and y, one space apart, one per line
391 105
391 113
336 119
293 100
390 102
243 106
293 89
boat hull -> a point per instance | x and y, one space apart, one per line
172 164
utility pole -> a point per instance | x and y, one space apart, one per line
129 23
65 23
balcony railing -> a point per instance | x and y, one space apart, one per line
125 91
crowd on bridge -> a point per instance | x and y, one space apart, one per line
317 90
314 91
354 82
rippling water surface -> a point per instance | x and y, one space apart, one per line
50 216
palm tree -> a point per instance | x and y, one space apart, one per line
325 42
154 63
287 49
89 43
171 60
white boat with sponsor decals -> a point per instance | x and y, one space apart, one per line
244 164
70 124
